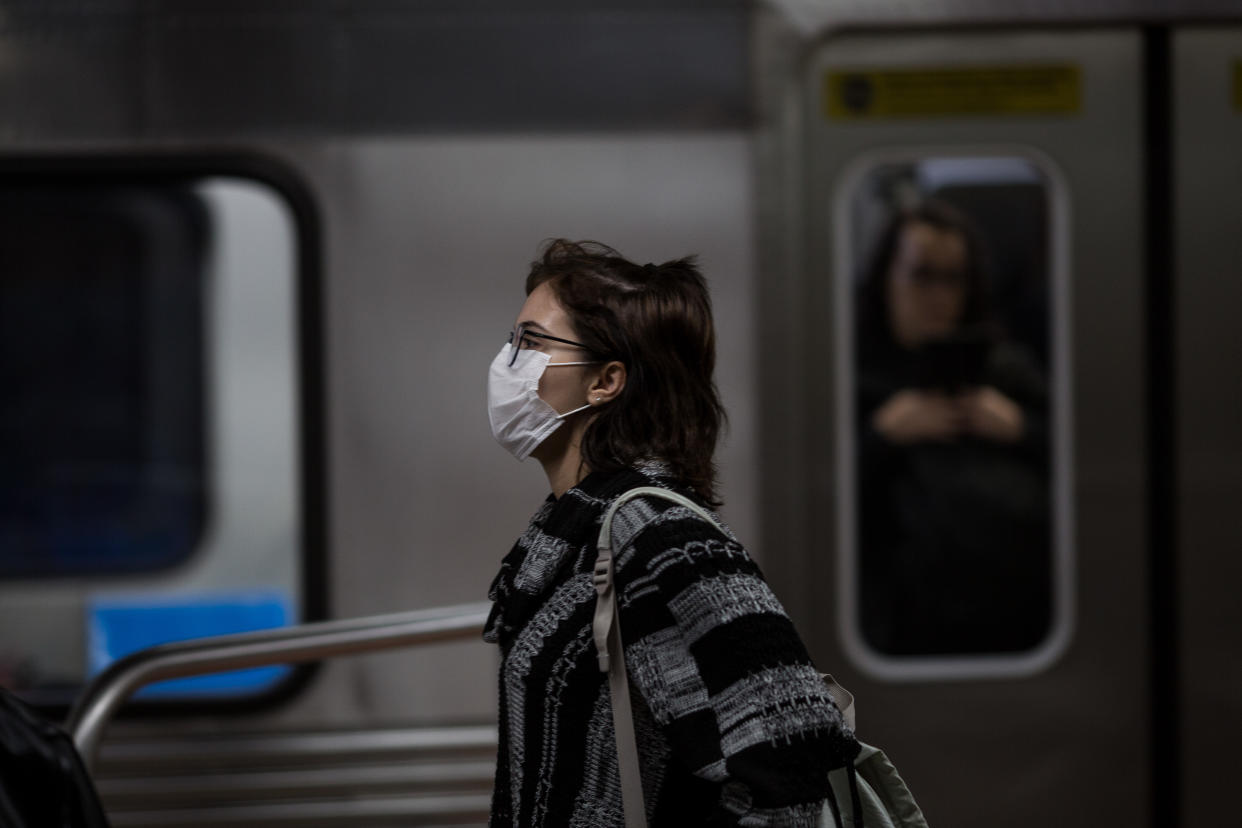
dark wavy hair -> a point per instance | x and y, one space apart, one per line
657 320
874 331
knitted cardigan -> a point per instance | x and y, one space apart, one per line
733 723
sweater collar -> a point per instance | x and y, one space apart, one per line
560 540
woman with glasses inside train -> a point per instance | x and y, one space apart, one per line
953 455
606 380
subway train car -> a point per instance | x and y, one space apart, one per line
258 256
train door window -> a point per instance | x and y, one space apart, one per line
152 485
952 389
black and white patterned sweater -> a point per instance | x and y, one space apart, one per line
734 725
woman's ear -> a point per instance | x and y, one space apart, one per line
608 383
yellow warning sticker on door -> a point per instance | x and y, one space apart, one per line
931 92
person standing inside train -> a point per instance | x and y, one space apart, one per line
606 380
953 461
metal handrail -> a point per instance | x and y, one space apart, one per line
285 645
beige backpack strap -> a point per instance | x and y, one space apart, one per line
607 630
843 698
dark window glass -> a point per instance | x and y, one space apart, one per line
101 366
954 397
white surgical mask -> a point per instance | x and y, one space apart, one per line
520 419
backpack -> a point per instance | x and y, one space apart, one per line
874 788
43 783
867 793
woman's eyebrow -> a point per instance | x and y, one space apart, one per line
529 324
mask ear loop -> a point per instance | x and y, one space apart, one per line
575 411
561 364
579 408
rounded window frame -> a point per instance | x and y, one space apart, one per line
845 255
311 450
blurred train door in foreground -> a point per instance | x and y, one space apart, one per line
1036 136
157 427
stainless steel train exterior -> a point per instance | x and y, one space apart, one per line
385 171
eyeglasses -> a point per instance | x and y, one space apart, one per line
517 338
927 276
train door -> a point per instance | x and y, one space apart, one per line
1035 140
1207 200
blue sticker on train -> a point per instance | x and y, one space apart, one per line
117 627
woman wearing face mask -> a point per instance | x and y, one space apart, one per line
607 381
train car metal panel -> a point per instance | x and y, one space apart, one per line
1207 137
947 727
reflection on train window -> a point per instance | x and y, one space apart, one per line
149 424
952 405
